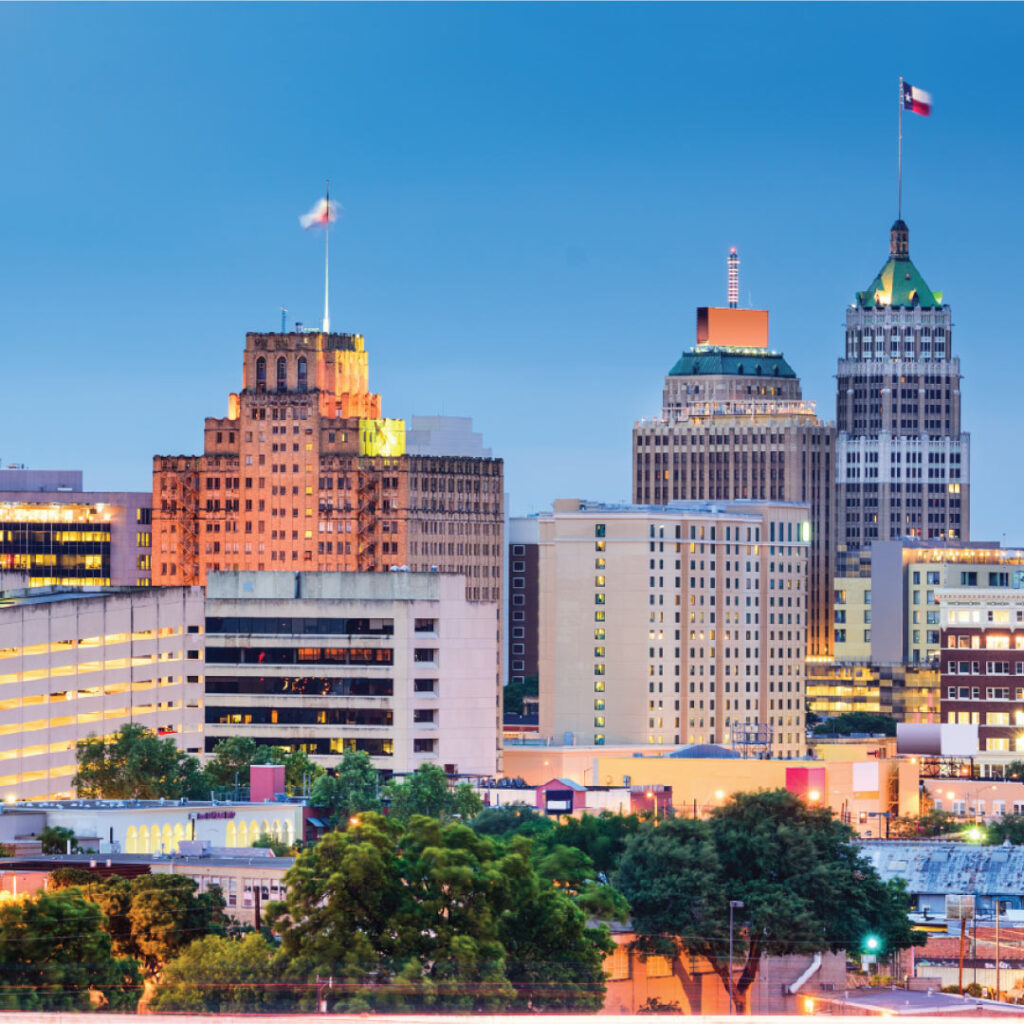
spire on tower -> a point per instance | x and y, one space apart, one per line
734 278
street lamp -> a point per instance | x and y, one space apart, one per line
733 905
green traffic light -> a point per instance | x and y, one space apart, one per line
871 943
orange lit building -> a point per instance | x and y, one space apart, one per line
304 474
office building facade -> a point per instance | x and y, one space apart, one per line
59 534
399 665
902 459
523 597
734 425
683 623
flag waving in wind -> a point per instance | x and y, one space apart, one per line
917 100
325 212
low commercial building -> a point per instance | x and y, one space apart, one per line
84 662
400 665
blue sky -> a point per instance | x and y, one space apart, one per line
536 198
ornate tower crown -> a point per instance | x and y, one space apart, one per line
899 241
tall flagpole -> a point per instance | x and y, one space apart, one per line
327 244
899 176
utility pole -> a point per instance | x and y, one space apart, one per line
963 936
733 905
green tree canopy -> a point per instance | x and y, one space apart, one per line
439 917
602 837
426 791
857 721
515 692
512 819
1013 770
804 886
136 765
352 789
230 762
300 770
153 917
221 975
934 823
56 839
54 953
1008 827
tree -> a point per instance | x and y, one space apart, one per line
153 917
220 975
1013 770
803 884
55 955
934 823
425 914
426 791
267 842
300 771
857 721
351 790
135 765
602 837
515 692
511 819
1008 827
229 766
56 839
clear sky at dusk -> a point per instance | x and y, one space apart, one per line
536 198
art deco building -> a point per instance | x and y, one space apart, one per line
902 460
734 424
677 624
305 474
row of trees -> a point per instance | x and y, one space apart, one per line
137 764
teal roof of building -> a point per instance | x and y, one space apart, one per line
713 360
899 283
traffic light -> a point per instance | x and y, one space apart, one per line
871 944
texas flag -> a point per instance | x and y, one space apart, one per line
917 100
325 212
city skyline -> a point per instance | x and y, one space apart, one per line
534 202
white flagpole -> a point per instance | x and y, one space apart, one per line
327 242
899 187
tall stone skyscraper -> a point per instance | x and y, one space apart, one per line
903 464
734 424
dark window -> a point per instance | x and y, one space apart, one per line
282 373
261 374
303 373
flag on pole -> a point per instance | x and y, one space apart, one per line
917 100
325 212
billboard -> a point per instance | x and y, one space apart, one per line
941 740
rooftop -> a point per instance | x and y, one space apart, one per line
719 360
899 283
937 867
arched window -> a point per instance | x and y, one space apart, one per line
303 373
282 373
261 374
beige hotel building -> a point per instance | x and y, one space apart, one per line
675 624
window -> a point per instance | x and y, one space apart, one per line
303 373
658 966
261 374
599 529
282 373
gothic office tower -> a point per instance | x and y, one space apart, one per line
903 465
734 424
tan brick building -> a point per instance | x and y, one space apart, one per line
734 424
304 474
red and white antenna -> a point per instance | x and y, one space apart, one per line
734 278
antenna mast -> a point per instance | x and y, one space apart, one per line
734 278
284 320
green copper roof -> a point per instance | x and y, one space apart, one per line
741 362
899 283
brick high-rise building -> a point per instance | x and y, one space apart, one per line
734 424
304 474
902 461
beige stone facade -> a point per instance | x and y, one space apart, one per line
669 625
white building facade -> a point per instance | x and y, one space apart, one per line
398 664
